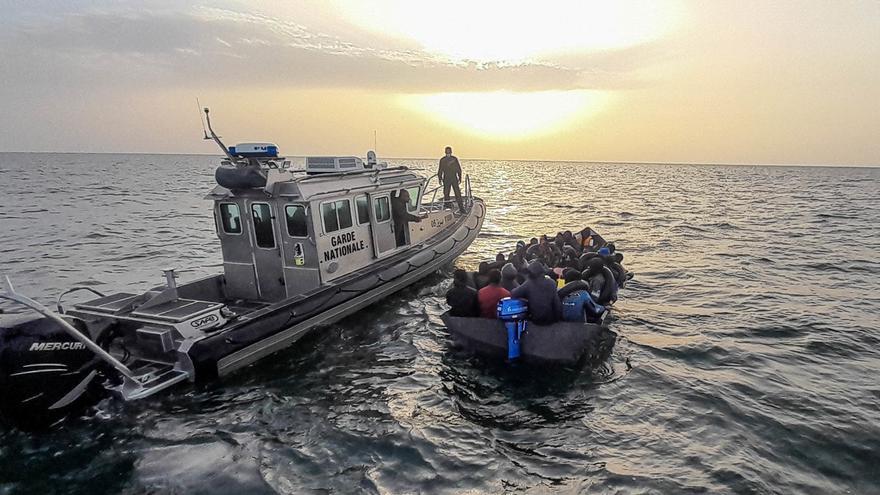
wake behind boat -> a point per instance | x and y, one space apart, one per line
301 249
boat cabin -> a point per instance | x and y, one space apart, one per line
306 228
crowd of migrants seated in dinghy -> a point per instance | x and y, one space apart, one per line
546 302
569 277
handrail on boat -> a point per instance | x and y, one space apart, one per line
434 206
336 175
74 289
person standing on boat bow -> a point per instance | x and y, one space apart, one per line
449 174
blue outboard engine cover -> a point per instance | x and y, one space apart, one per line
510 309
513 312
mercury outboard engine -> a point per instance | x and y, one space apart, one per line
45 373
513 312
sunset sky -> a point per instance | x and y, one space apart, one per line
751 81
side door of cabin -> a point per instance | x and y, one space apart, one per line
299 249
266 251
416 231
381 225
233 229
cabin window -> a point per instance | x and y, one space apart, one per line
336 215
230 218
382 209
263 231
296 221
413 204
363 209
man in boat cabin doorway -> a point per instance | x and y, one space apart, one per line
401 215
449 174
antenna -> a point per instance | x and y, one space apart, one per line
216 138
374 140
201 121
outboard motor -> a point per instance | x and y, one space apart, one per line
513 312
44 372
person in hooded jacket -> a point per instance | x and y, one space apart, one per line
601 281
614 263
559 241
532 249
606 257
498 263
544 252
519 250
572 264
461 297
544 305
577 304
571 241
508 277
518 261
402 216
480 278
584 260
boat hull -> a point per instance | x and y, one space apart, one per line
280 325
562 343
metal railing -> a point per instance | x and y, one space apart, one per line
75 289
432 205
435 205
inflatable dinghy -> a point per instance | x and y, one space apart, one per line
562 343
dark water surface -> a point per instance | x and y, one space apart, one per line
748 360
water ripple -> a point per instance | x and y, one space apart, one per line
746 361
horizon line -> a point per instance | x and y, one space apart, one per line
608 162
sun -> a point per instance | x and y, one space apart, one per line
515 30
506 115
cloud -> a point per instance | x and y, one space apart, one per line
208 47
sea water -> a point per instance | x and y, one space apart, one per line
747 362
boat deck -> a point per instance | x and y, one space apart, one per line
172 312
110 305
178 310
121 305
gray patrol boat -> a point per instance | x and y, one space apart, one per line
301 249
